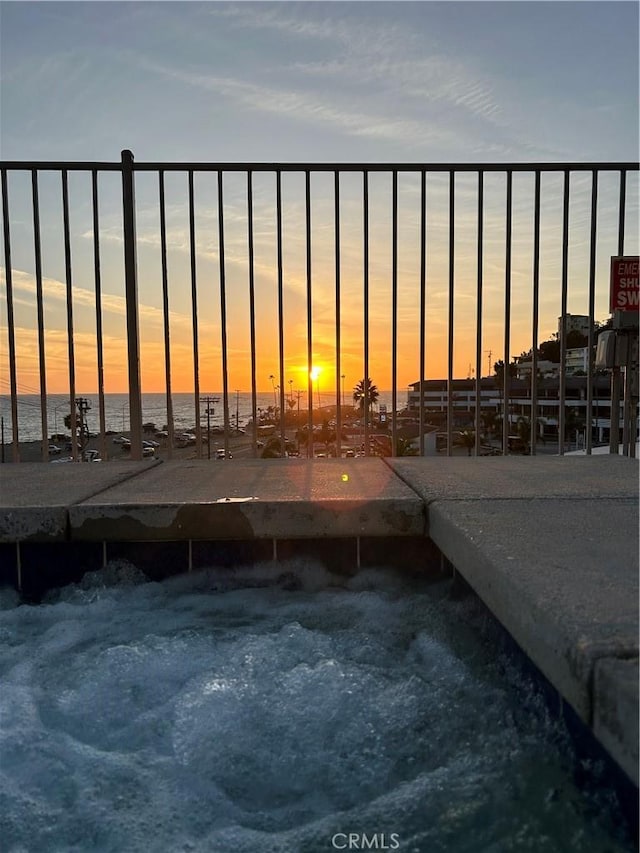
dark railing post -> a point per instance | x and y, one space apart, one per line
131 296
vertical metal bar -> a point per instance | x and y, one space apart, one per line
614 431
19 566
309 317
365 209
536 315
223 313
69 283
280 305
98 287
394 314
338 360
621 210
614 417
423 301
131 291
252 314
480 262
165 314
626 415
506 389
40 313
563 313
451 292
194 315
592 302
11 329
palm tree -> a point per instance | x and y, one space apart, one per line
362 389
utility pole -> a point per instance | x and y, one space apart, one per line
489 354
82 405
210 410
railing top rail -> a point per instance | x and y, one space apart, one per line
43 165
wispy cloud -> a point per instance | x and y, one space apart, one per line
82 297
368 53
312 108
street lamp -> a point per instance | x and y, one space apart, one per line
273 385
343 377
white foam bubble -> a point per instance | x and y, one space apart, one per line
219 711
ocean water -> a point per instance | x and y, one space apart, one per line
267 710
154 409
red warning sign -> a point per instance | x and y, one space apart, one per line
625 288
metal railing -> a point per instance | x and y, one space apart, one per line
440 215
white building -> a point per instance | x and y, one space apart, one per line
434 398
577 359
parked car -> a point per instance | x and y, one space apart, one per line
221 453
148 451
54 450
119 439
185 438
150 443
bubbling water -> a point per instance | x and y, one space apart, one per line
230 712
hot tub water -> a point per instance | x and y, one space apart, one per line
235 712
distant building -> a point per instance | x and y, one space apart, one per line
434 396
577 359
545 368
574 323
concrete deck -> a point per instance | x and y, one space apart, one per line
35 498
248 499
550 544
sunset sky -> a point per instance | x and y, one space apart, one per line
268 82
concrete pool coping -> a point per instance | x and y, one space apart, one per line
550 544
